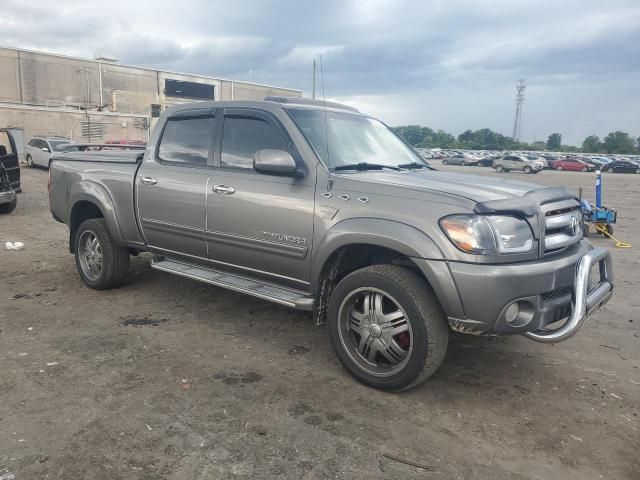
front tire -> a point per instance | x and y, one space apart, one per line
445 162
559 168
29 161
101 263
8 207
499 168
387 328
527 169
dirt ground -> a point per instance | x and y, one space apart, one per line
167 378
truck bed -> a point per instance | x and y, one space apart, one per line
110 175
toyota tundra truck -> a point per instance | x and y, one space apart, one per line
316 206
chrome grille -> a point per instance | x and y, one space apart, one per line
563 228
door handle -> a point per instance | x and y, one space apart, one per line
148 180
224 189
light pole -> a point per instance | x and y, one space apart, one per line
87 102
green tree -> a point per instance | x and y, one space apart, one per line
618 142
638 143
592 144
554 142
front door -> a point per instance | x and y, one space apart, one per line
171 186
257 223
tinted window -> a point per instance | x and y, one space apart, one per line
32 143
243 136
187 141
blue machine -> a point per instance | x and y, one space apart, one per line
602 218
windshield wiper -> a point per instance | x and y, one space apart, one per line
413 165
364 166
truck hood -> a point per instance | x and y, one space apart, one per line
473 187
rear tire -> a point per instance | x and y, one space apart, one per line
584 169
396 353
559 168
610 170
463 163
445 162
101 263
8 207
499 168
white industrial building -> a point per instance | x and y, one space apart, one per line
100 100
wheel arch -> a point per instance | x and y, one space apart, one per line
90 200
359 243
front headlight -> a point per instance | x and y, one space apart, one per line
488 235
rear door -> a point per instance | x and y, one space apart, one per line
171 185
258 223
9 158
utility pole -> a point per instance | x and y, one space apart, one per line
87 101
313 92
517 122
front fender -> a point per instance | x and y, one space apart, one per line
400 237
87 191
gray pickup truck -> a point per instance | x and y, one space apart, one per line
316 206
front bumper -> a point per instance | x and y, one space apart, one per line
7 197
545 291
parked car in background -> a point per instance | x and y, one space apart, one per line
572 164
127 142
460 159
41 150
506 163
544 161
488 161
623 166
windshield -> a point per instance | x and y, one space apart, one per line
352 139
56 144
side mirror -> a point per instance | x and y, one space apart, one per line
276 162
45 149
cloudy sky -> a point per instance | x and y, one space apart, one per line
446 64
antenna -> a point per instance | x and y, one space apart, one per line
313 91
517 122
324 104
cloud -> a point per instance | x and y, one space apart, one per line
450 65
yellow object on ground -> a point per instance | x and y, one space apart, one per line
603 230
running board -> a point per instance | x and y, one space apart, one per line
238 283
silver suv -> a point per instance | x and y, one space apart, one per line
507 163
41 150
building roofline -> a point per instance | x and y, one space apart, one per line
71 57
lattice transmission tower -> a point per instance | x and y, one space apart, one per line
517 122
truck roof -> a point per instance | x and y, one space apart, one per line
268 104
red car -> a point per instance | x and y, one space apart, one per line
573 164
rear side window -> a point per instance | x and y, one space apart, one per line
242 137
187 141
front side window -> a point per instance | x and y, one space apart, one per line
346 139
187 141
242 137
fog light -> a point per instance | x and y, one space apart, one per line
511 315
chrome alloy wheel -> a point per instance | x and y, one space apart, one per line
375 331
90 255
